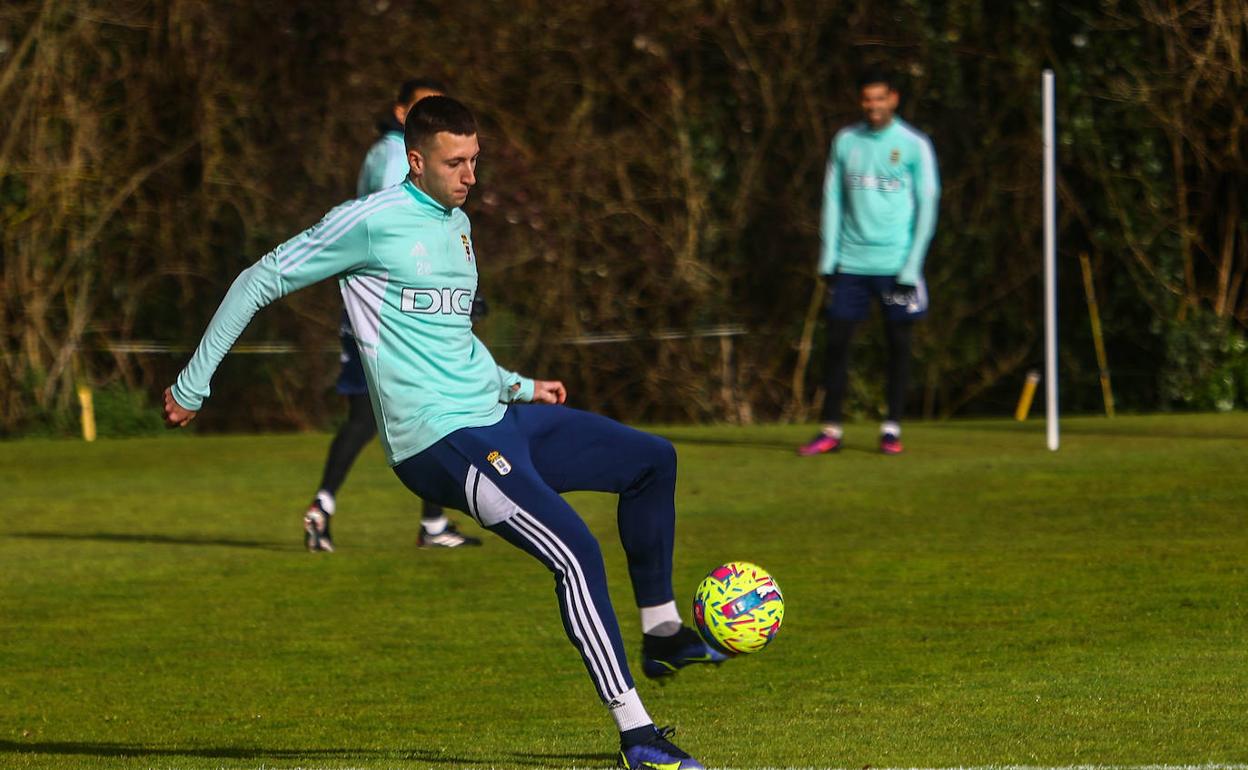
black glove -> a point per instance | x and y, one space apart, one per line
904 294
479 308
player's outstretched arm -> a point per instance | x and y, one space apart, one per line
175 415
335 245
549 392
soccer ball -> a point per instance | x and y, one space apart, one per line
738 608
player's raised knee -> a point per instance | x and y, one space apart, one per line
662 453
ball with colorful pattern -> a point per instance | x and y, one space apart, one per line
738 608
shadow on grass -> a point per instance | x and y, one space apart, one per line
694 439
773 444
111 749
1110 429
152 539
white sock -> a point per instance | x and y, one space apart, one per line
435 526
891 428
831 430
627 711
662 620
326 500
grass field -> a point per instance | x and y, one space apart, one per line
976 601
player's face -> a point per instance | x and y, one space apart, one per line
445 168
879 102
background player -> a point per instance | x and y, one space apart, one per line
385 165
879 214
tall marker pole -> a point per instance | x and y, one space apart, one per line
1050 260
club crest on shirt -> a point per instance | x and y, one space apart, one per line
499 462
894 157
467 247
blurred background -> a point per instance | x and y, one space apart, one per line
647 212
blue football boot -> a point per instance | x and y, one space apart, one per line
657 753
663 656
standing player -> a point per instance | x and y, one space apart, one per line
384 166
455 426
879 213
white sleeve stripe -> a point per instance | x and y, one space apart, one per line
927 157
337 236
331 231
336 228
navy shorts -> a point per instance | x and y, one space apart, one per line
849 298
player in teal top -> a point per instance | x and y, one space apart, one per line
879 213
384 166
456 426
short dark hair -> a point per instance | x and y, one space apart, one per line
435 114
410 87
876 76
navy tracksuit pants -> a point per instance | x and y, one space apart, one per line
509 476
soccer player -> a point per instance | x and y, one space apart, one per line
468 434
879 214
384 166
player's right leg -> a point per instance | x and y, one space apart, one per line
489 472
898 333
840 333
359 429
847 303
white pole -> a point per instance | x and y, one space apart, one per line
1050 261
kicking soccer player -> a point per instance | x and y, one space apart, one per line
385 165
879 213
456 427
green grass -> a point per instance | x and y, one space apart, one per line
978 600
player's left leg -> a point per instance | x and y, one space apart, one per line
903 305
351 438
582 451
899 334
439 531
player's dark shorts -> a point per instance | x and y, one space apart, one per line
849 298
351 380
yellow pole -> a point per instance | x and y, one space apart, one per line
1107 393
1029 392
87 406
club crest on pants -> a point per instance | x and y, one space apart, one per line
499 462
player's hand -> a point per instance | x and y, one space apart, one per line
480 308
175 415
903 294
549 392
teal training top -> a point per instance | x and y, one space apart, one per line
879 202
408 274
385 165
